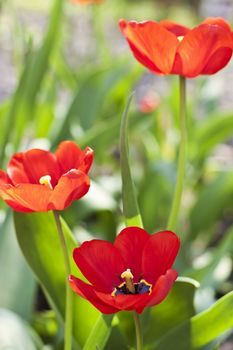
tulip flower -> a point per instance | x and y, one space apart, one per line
38 181
131 274
169 48
85 2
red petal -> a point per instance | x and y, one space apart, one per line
87 292
88 155
162 287
197 47
71 186
38 163
4 179
70 156
130 242
101 263
125 302
27 197
174 27
159 254
217 21
151 42
16 170
144 60
217 61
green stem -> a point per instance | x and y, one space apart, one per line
138 328
172 221
68 312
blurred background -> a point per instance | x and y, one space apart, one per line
66 73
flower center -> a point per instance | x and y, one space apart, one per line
46 180
180 38
129 287
128 276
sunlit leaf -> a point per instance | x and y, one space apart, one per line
99 334
130 205
200 329
39 242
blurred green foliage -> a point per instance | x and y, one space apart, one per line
62 93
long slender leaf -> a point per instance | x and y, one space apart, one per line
130 205
12 112
101 332
200 329
39 242
23 104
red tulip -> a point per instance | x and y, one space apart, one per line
169 48
38 180
131 274
87 1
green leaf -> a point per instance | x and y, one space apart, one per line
88 102
23 104
155 208
175 309
130 205
14 273
211 132
219 193
117 339
39 242
201 329
99 334
206 275
40 60
13 112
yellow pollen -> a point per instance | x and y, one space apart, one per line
180 38
128 276
46 180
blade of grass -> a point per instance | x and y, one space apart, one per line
130 205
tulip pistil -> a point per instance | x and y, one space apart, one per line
46 180
180 38
128 276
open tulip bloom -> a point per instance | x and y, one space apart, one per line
131 274
169 48
38 181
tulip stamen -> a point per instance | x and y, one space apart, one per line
46 180
128 276
128 287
